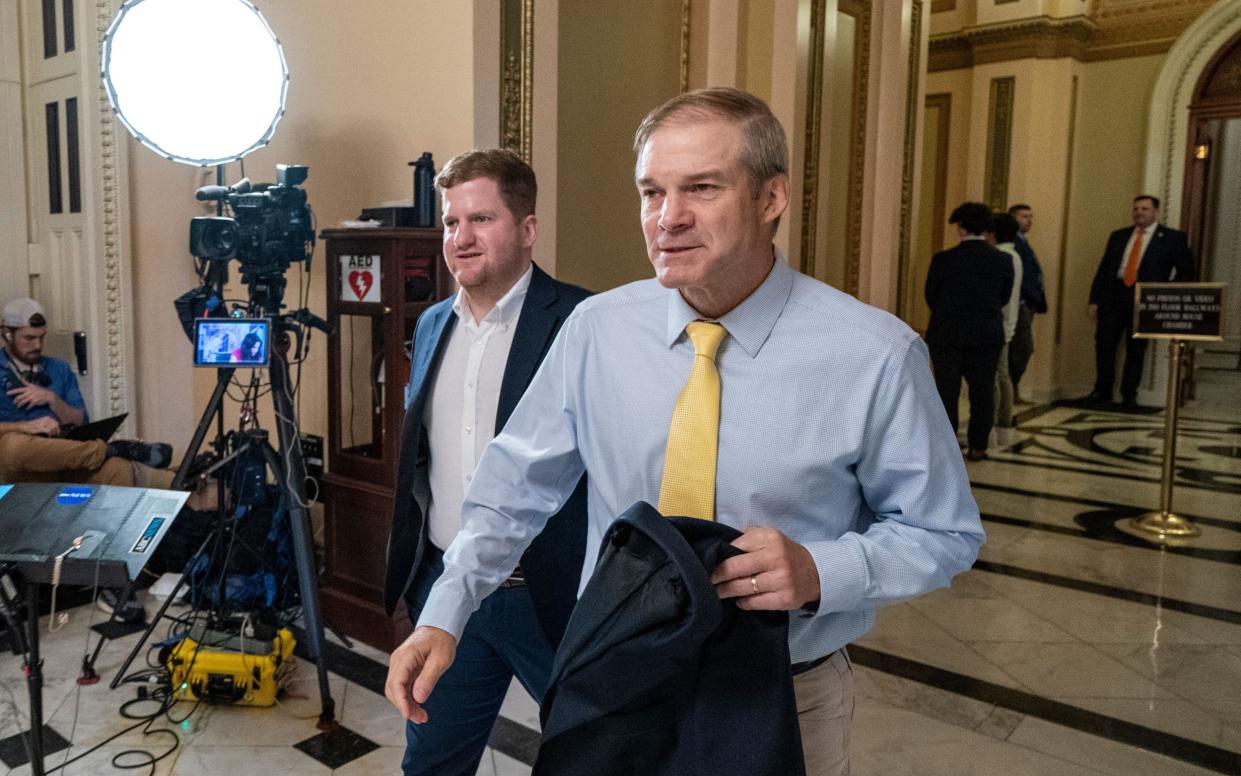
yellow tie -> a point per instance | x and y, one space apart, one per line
688 486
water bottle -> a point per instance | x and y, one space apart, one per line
424 190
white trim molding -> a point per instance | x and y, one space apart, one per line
1168 122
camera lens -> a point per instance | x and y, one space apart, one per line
214 237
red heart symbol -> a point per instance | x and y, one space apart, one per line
360 282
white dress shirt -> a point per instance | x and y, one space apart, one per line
460 414
1009 310
1147 234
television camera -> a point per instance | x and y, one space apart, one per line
270 228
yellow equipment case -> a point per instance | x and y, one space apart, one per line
201 672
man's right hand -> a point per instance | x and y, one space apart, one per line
44 425
415 667
1092 312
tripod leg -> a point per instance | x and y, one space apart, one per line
308 587
88 675
34 679
222 378
133 654
288 467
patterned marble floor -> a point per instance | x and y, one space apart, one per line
1073 647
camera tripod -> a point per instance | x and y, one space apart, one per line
288 468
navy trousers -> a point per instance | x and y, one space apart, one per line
502 639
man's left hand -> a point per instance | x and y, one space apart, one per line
31 396
774 572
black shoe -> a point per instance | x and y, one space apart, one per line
1092 399
1129 403
128 611
976 454
156 455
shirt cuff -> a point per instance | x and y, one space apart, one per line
447 609
843 577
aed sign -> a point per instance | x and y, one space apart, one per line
1184 311
360 278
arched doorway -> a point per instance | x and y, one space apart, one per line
1185 82
1211 211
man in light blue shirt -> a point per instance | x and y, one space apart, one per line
834 454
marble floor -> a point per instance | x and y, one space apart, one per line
1074 646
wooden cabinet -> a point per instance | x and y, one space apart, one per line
378 282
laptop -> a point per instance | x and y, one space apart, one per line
99 429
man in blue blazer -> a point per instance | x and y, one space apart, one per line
474 354
1147 252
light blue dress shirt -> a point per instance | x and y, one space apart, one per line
831 431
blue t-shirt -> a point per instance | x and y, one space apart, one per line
64 384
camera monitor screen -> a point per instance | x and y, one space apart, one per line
234 342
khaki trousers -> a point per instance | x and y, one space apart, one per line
26 458
825 711
1004 392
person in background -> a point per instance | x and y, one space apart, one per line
967 287
1006 230
1033 300
1147 252
473 356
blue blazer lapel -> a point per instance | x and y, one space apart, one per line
428 342
535 329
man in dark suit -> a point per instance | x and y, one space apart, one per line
473 356
1147 252
1033 299
966 289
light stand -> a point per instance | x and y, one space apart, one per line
217 278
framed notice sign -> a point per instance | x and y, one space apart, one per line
1183 311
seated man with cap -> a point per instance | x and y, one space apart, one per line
41 397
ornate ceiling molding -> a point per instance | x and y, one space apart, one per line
1135 27
1039 38
1113 29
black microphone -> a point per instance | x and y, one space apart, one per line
79 350
217 193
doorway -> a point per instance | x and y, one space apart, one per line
1212 212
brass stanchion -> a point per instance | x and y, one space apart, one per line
1164 524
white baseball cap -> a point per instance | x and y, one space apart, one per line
24 312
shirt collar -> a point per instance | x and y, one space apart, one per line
505 311
749 323
974 237
1146 230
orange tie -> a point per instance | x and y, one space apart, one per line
1135 258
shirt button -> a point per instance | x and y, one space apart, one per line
469 477
467 429
470 384
478 342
